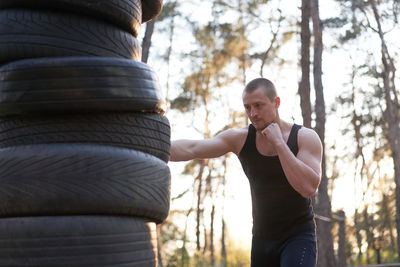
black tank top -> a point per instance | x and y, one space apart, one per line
278 210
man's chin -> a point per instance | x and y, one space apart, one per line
261 127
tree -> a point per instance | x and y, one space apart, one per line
357 28
146 43
304 85
392 112
219 45
169 12
323 206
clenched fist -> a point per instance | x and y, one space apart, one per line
273 133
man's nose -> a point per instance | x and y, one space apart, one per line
252 113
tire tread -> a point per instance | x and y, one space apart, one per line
37 33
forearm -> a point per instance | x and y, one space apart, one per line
182 150
299 175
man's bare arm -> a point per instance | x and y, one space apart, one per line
304 171
227 141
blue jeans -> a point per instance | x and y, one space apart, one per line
296 251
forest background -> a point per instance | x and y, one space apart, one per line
334 65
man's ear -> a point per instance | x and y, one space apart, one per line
277 101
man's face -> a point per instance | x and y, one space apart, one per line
260 110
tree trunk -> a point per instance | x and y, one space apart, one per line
356 218
304 86
169 53
199 198
326 256
342 239
243 56
392 115
183 250
212 249
223 234
205 247
146 44
369 233
388 220
378 256
274 38
159 246
223 245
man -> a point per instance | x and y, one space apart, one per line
283 164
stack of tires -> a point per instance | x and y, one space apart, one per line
84 144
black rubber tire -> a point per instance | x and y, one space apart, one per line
126 14
77 241
33 33
146 132
62 179
151 9
78 84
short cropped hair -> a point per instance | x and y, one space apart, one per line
265 84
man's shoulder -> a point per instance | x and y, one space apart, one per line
235 137
237 132
307 132
308 137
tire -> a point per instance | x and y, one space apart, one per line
126 14
149 133
78 84
64 179
77 241
33 33
151 9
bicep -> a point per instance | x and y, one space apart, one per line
211 148
310 151
227 141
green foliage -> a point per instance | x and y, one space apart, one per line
176 259
254 4
190 168
219 45
238 257
375 228
183 102
170 9
373 232
170 231
335 22
355 17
